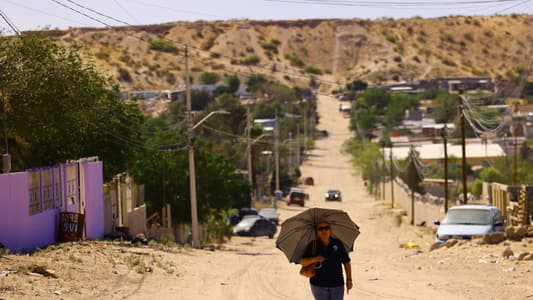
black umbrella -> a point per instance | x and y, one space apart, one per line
298 231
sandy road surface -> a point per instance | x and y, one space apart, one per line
252 268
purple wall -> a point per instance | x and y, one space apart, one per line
94 200
20 231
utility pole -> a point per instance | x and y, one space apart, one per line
276 157
463 143
298 144
6 157
383 175
305 132
192 171
391 177
515 132
289 158
444 134
249 152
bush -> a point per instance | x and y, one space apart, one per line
124 75
163 46
312 70
209 78
252 60
296 61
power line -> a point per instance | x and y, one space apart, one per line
44 12
9 23
81 13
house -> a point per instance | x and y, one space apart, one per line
476 153
243 93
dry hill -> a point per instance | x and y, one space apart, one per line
152 56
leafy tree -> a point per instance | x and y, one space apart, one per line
232 83
59 108
200 99
209 78
256 82
377 98
357 85
446 109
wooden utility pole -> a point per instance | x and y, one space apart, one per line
276 157
192 169
383 171
391 178
444 134
249 153
463 143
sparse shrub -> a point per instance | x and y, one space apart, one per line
469 37
397 59
209 78
208 44
488 33
391 38
215 55
410 30
395 77
171 78
287 77
447 37
448 62
313 70
296 61
252 60
163 46
102 55
270 46
250 50
124 75
415 58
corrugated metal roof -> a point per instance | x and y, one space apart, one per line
436 151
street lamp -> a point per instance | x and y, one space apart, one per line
192 172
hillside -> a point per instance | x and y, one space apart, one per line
335 51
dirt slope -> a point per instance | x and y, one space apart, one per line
378 51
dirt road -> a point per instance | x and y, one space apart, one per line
255 269
252 268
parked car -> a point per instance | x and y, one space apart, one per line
255 226
245 211
270 214
466 221
333 195
296 197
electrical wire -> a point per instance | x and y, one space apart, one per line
9 23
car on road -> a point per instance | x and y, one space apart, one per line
466 221
296 196
333 195
270 214
245 211
255 226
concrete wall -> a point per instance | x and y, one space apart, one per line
427 208
94 200
137 220
20 231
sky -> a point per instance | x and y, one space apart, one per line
22 15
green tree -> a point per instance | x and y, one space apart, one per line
60 108
232 83
446 109
357 85
256 82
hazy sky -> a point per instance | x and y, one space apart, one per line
38 14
